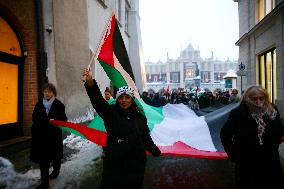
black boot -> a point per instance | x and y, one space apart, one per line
56 169
54 174
43 185
44 173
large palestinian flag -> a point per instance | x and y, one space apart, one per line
176 129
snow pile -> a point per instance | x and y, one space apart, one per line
88 116
9 179
72 171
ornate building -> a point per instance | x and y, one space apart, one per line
187 71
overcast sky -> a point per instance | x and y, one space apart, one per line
169 26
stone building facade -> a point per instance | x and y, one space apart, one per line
188 71
53 40
261 46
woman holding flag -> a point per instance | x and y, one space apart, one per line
128 137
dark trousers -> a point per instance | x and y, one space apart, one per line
44 169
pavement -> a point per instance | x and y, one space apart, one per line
17 151
161 173
164 172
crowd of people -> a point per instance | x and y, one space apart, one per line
195 100
251 135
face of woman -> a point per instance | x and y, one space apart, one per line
125 101
47 94
107 95
257 99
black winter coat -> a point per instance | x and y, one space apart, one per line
256 166
47 144
128 139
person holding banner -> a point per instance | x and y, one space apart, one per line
251 138
128 137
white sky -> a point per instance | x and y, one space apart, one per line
169 26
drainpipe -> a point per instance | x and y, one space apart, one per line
40 51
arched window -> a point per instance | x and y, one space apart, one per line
11 63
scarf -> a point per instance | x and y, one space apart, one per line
47 104
258 112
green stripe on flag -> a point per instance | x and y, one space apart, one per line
72 131
153 114
114 75
97 123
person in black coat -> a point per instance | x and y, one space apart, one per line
128 137
46 143
251 137
146 98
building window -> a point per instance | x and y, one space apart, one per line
222 76
189 74
11 66
174 77
205 77
216 76
264 7
118 9
127 9
267 73
155 78
103 3
164 77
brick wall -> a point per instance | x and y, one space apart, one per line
21 15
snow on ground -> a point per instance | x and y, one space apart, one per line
72 171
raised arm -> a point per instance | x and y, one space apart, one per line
94 93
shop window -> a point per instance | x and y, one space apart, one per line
8 93
267 73
10 51
8 40
11 68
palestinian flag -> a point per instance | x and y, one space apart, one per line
176 129
180 133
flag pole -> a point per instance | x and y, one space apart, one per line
95 54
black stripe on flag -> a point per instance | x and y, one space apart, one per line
121 52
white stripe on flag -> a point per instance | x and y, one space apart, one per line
127 77
182 124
